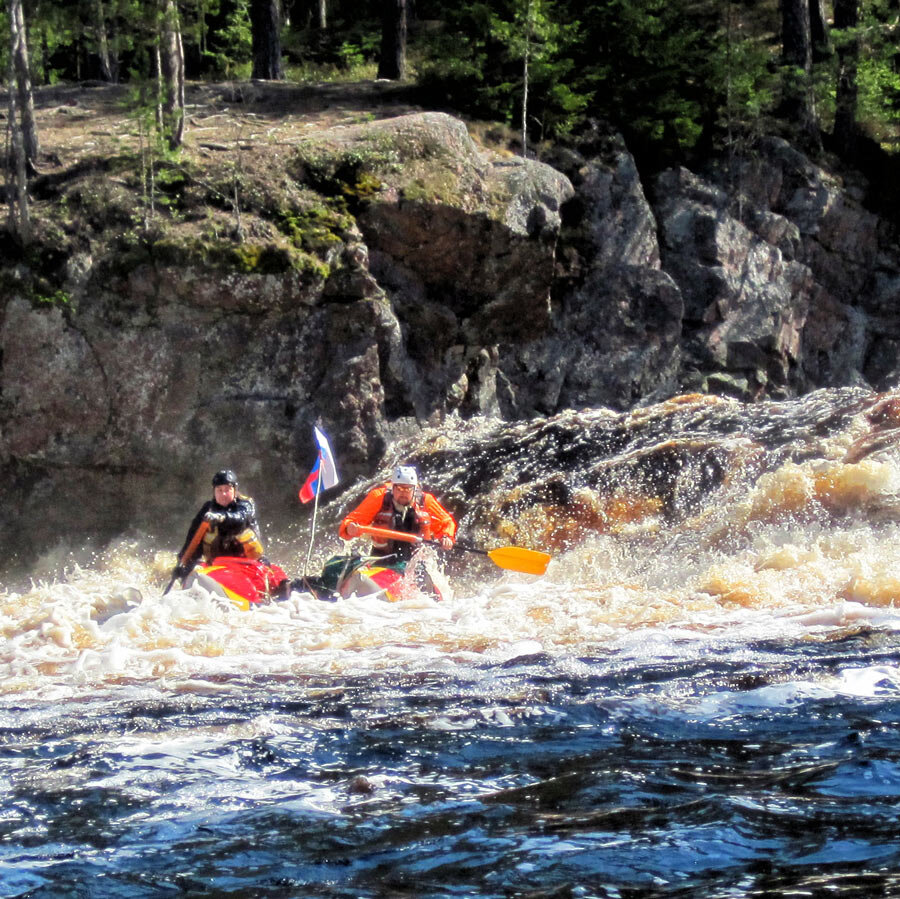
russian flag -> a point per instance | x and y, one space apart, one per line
324 473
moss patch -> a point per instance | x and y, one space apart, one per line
352 173
248 257
316 229
40 278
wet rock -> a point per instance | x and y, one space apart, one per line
361 784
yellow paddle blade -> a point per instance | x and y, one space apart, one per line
517 558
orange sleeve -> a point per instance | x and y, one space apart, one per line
365 512
443 524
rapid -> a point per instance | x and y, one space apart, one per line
702 701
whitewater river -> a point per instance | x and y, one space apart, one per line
700 711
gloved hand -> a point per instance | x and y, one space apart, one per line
181 572
215 517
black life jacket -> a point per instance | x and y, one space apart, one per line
234 539
411 520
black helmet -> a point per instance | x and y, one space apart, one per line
225 476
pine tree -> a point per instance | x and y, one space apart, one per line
171 70
265 21
392 58
797 57
21 124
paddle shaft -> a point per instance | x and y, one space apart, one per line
188 554
513 558
406 537
388 534
467 547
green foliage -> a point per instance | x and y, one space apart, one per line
230 54
350 55
347 49
41 277
58 297
53 30
749 89
248 258
879 96
263 259
878 71
364 187
478 64
331 73
655 61
348 174
161 174
675 76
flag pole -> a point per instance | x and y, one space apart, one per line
324 475
312 530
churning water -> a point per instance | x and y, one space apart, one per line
708 710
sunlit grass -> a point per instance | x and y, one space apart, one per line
330 73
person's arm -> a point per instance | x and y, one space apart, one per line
237 515
365 512
240 514
443 524
187 564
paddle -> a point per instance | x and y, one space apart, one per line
513 558
188 554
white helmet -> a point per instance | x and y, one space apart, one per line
405 474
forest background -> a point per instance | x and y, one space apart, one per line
679 79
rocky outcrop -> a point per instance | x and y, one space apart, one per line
146 372
768 279
765 279
395 275
615 333
776 260
463 244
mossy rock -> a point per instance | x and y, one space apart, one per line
249 257
316 229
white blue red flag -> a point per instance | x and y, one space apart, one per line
324 473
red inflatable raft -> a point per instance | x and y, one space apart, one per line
246 582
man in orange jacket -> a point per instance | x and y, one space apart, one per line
401 506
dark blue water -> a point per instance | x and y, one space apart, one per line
715 769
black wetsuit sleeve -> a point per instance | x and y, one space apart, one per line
239 515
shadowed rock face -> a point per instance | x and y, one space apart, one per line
459 285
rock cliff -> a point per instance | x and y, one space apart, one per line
379 276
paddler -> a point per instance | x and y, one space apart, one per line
232 527
400 505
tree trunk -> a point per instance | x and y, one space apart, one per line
17 180
171 62
25 99
106 71
265 26
392 58
818 27
846 16
323 15
798 103
525 76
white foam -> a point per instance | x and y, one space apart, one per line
110 626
